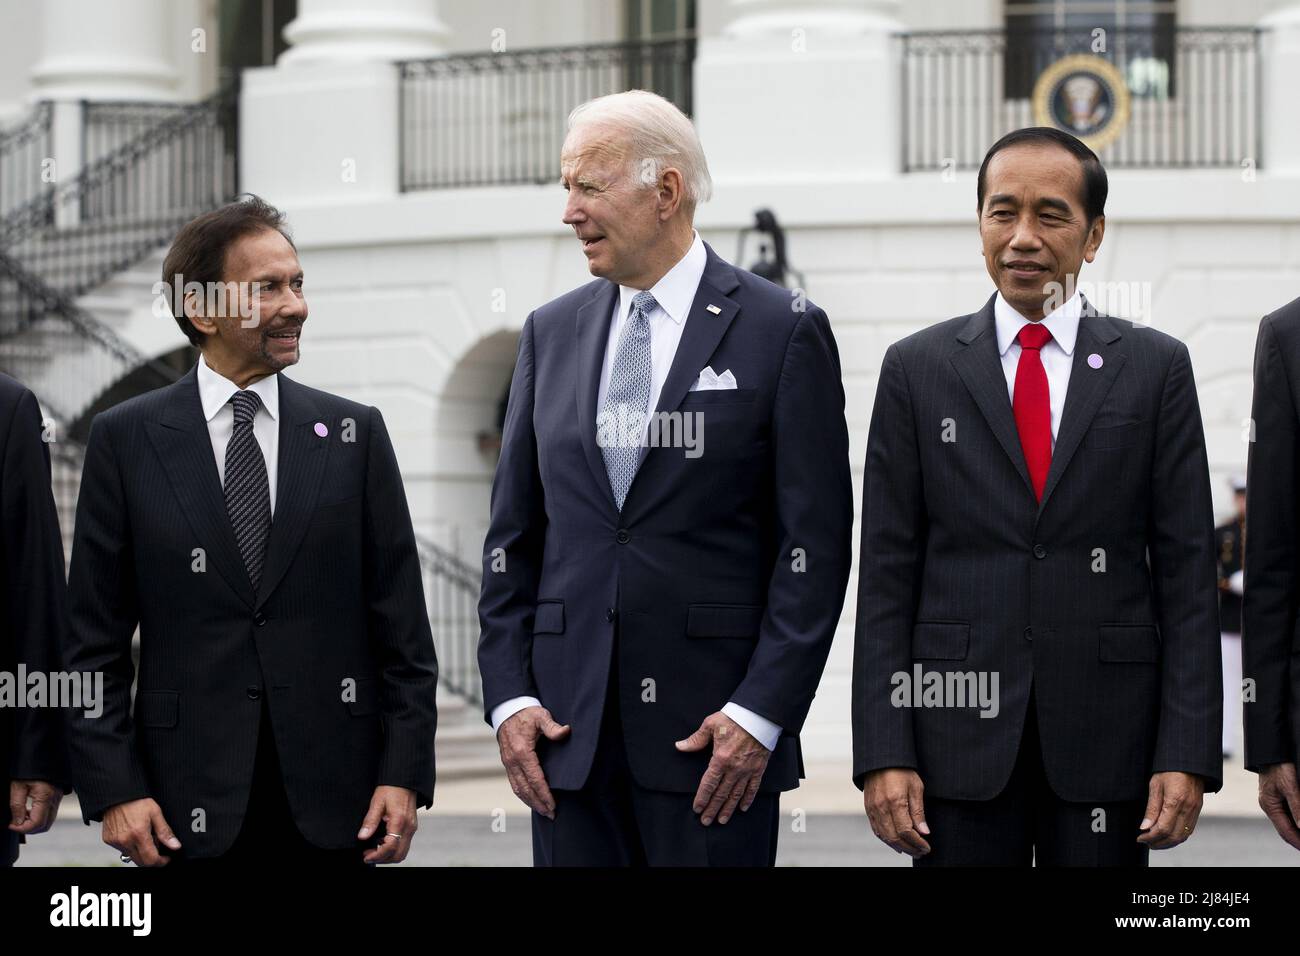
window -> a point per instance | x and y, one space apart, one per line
1138 38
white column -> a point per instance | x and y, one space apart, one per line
790 90
1280 59
345 31
104 51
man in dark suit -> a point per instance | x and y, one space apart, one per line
1036 524
35 614
1271 604
257 531
656 613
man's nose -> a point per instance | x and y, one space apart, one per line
573 209
296 307
1026 234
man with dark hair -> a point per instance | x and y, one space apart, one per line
32 616
1036 669
257 532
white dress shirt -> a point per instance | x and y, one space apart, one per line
1057 354
214 392
673 294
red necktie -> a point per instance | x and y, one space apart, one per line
1032 406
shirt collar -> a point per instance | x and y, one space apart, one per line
1062 322
676 290
215 391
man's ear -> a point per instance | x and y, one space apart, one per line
672 192
194 312
1095 233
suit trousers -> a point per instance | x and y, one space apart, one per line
268 833
613 821
1028 823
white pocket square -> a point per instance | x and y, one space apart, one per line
710 380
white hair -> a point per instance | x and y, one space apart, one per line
658 135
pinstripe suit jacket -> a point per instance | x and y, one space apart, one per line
336 638
1270 610
1102 597
33 609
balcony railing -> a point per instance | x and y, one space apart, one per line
1193 92
498 118
25 148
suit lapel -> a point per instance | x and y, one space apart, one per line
300 467
591 334
1088 386
980 366
704 330
184 447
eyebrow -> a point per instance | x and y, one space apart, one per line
276 278
1050 202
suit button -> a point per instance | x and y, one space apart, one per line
1029 634
259 618
610 614
622 537
1040 552
254 693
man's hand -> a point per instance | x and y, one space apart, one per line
895 801
734 771
1279 798
44 799
1173 806
517 738
136 828
395 806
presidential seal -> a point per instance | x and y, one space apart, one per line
1084 95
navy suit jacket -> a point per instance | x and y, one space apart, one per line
725 573
335 642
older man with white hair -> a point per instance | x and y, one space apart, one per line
670 531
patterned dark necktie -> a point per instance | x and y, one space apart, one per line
248 493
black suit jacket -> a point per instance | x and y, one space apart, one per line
35 608
1269 638
963 570
340 606
699 569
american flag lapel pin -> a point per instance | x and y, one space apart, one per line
714 309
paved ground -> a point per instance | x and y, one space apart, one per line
829 840
465 828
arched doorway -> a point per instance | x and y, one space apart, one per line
467 441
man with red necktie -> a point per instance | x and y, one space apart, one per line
1036 668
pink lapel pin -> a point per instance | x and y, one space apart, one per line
1094 360
321 429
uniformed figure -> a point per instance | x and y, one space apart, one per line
1230 545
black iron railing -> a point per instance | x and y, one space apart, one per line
451 589
498 118
107 125
26 152
130 201
1194 93
59 350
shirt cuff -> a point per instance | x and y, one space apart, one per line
507 709
760 728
